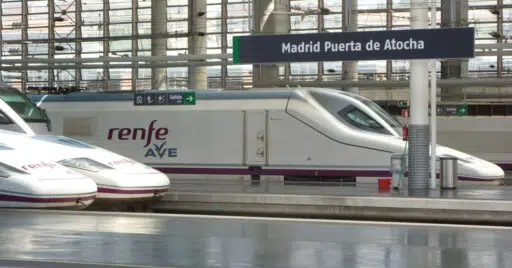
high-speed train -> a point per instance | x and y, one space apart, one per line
296 132
118 178
32 181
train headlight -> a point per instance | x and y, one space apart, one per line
85 164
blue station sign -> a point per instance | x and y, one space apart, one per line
350 46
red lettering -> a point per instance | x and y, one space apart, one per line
122 161
124 133
142 136
145 134
161 132
38 165
111 132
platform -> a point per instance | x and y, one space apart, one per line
37 238
480 204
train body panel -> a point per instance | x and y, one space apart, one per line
296 132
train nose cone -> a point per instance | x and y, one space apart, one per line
487 171
79 191
133 186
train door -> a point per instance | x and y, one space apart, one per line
255 138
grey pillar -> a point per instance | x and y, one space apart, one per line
197 75
135 45
224 43
321 26
267 22
106 45
158 42
24 45
499 60
51 44
349 68
454 13
389 27
418 154
78 43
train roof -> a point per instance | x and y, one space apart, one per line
200 95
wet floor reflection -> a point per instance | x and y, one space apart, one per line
183 242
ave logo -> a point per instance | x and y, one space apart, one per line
161 151
154 149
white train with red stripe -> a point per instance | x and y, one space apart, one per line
32 181
312 133
118 178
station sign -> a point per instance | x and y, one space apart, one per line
164 98
439 43
451 110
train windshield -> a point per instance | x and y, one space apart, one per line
25 108
392 121
353 115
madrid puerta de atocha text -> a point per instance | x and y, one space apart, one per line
370 45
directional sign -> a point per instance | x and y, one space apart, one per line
462 109
363 45
164 98
189 98
447 110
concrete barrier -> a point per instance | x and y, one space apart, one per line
411 209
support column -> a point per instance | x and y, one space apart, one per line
349 68
419 126
389 27
135 44
499 60
51 44
106 44
224 43
389 63
454 13
197 45
24 45
158 42
78 43
267 22
320 17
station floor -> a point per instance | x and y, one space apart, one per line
92 239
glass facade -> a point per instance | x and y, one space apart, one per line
73 29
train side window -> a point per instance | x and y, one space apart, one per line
361 120
4 119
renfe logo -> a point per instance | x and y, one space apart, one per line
146 135
131 134
39 165
120 162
